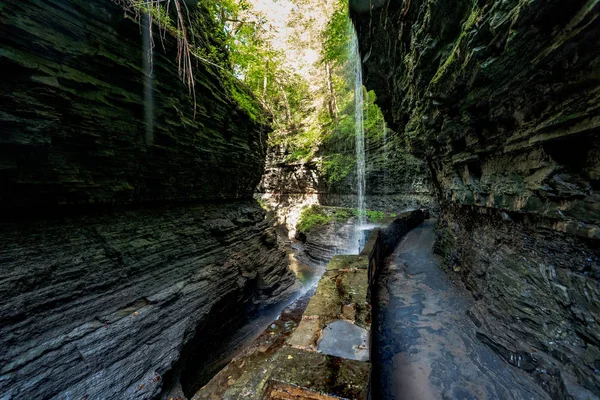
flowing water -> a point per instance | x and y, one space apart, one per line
356 62
385 158
148 97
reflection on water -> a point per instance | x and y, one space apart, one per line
306 275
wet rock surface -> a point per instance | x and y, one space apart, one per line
395 179
344 339
317 349
536 291
102 306
501 100
425 345
287 187
325 241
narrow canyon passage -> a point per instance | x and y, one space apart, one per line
299 199
425 346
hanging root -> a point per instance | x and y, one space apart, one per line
184 55
135 8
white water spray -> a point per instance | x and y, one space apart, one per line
385 159
356 62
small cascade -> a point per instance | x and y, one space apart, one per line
148 79
356 63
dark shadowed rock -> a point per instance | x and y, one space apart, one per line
501 99
106 291
73 125
102 305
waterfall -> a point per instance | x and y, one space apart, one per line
356 62
148 97
385 158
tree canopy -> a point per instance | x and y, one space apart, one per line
295 64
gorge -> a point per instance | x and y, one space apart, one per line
168 167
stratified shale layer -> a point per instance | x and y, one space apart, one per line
501 98
102 305
115 266
73 120
395 179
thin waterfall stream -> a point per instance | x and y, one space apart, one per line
359 126
385 159
148 78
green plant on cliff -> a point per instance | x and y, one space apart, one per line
316 215
312 216
201 39
375 216
312 117
249 40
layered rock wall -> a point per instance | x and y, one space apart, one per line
395 179
115 265
101 306
500 98
286 188
74 128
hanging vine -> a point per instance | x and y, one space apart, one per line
160 14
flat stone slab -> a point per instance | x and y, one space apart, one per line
339 288
307 334
341 294
348 262
344 339
320 374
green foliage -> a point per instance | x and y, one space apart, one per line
336 37
246 36
372 215
337 149
316 215
159 14
336 166
311 217
262 204
342 214
338 143
246 101
235 36
375 216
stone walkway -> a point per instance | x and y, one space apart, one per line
425 345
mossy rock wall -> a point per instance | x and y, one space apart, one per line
395 179
127 300
73 129
501 99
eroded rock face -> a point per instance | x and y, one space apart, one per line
110 301
287 187
395 181
501 99
73 115
102 305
